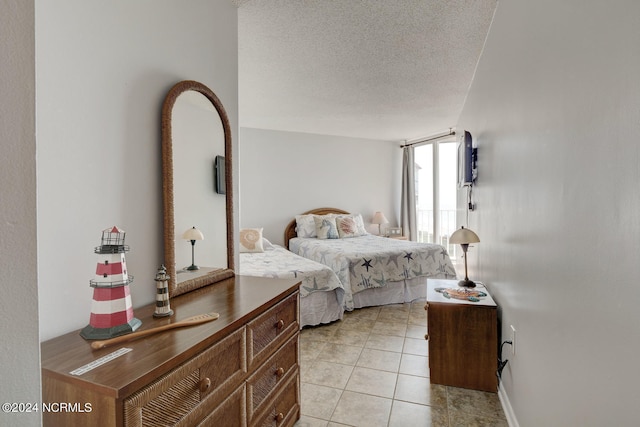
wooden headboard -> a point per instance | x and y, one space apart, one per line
290 229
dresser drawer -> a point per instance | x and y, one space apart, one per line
283 409
277 369
193 389
269 330
231 413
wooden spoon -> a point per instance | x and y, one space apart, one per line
190 321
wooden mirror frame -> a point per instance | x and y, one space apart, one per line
176 288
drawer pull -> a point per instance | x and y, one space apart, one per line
426 337
279 417
279 372
280 324
205 384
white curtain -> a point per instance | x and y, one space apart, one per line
408 208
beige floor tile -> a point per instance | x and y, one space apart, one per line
356 338
318 401
318 333
328 374
411 364
371 369
306 421
340 353
385 342
416 331
393 316
405 414
358 324
419 390
419 347
371 381
417 317
361 410
390 328
379 359
418 304
305 369
395 307
309 350
370 313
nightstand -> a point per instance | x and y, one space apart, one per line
463 338
398 237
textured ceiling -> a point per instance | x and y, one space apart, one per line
377 69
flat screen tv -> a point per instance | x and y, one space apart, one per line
467 171
218 173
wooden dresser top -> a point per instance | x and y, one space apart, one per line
237 300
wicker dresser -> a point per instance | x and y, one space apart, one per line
239 370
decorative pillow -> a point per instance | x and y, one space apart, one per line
350 226
251 240
326 227
305 226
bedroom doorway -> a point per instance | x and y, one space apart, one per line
436 192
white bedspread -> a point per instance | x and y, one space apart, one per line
278 262
372 261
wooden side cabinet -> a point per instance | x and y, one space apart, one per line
463 339
240 370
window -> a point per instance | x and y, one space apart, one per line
436 192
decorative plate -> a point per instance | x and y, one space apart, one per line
462 294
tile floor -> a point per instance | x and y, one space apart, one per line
371 369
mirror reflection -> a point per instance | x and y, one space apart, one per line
198 138
197 188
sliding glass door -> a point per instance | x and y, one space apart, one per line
436 184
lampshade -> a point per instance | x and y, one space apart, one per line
379 218
463 236
193 234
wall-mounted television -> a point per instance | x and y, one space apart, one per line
218 174
467 170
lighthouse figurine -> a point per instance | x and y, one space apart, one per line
163 308
111 308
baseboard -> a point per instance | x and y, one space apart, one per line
506 407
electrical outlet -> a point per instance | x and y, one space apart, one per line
513 340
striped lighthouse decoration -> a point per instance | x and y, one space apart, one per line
111 307
163 308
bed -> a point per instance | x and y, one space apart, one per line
321 293
373 270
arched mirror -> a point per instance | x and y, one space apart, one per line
197 188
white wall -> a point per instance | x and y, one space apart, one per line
286 173
555 109
20 358
103 69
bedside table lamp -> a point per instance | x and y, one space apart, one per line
463 237
379 218
193 234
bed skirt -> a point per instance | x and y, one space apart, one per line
394 293
319 308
